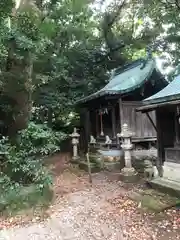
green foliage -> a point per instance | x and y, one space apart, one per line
65 43
5 9
69 66
15 198
38 139
17 174
22 164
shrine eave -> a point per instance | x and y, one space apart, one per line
170 95
128 79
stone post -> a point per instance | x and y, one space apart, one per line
101 124
75 141
128 173
92 140
108 141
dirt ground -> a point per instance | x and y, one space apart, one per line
81 211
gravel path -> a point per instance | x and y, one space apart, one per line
81 215
100 212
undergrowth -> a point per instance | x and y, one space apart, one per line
24 180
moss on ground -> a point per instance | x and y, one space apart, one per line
94 166
152 200
25 198
95 163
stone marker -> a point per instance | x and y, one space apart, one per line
108 141
92 140
171 171
75 141
128 173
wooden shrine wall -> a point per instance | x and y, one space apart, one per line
165 131
137 121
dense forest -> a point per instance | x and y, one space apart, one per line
54 52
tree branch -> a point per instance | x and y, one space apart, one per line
108 21
170 5
111 18
177 4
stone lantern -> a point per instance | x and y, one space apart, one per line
75 141
128 173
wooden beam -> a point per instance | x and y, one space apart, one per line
121 113
113 117
87 129
150 107
133 103
97 123
82 128
176 124
160 146
150 119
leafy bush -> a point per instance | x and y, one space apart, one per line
17 174
39 139
16 197
21 164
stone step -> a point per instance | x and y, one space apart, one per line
166 186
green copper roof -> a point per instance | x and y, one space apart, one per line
169 93
128 79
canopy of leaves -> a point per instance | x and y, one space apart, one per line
72 46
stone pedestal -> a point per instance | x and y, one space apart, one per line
75 141
128 173
112 160
171 171
169 180
171 167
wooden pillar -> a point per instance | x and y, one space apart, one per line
113 117
177 137
87 129
160 146
121 113
97 124
176 131
82 130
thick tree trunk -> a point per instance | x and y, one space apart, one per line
19 87
113 43
19 72
50 116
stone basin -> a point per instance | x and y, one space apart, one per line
111 155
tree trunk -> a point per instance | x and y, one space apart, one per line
19 90
50 115
114 44
18 82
